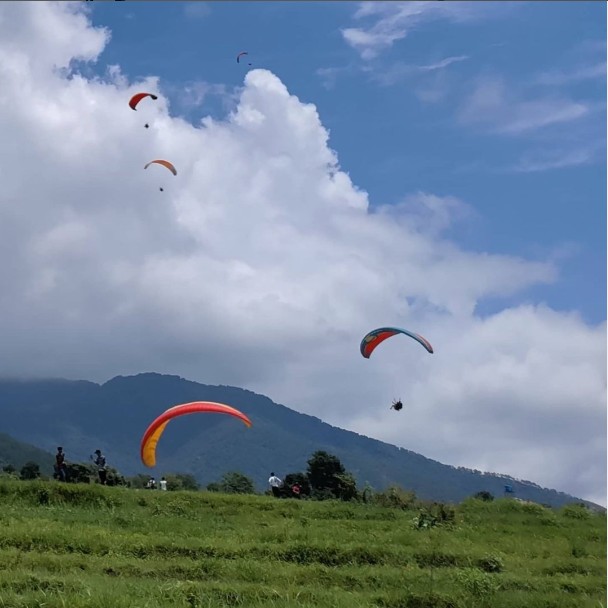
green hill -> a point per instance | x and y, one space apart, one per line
17 453
99 547
82 416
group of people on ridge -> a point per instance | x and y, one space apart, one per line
151 484
61 468
276 484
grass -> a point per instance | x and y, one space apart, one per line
83 546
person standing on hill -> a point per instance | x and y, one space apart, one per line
102 471
60 466
275 484
163 484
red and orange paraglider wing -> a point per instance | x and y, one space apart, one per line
138 97
377 336
155 430
164 163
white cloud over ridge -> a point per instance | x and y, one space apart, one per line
261 266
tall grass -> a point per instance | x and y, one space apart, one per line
97 547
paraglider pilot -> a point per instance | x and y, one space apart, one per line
397 405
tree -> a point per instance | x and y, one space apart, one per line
9 468
236 483
30 470
76 472
181 481
346 486
301 479
328 478
485 496
138 481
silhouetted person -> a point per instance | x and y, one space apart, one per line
275 485
102 471
60 466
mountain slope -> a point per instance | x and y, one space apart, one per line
83 416
18 453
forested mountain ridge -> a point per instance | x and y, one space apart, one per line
82 416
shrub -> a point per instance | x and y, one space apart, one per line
576 511
490 563
476 583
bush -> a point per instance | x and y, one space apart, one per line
30 470
576 511
475 583
435 514
396 497
233 483
485 496
490 563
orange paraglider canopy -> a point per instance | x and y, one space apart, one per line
164 163
155 430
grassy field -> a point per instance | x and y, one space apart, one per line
90 546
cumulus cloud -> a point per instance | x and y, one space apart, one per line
262 265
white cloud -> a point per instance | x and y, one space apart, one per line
493 105
197 10
398 71
560 159
261 266
581 73
443 63
392 21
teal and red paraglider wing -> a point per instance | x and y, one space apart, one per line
377 336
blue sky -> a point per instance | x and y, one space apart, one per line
399 120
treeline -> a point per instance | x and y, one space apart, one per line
325 478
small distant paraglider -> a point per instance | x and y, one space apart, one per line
241 54
137 98
397 405
164 163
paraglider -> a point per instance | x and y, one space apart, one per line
164 163
138 97
238 57
156 428
397 405
377 336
